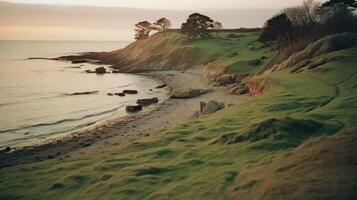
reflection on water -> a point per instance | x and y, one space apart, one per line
33 104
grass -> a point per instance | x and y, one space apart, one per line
232 54
217 156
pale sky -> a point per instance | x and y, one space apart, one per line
114 19
174 4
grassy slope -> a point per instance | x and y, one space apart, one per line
234 53
210 158
172 50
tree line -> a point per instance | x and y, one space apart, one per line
196 26
310 21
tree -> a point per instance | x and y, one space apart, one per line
217 26
142 30
197 26
163 23
347 3
304 15
337 16
279 28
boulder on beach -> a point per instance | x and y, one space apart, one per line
121 94
239 90
226 79
185 94
134 108
110 94
115 72
210 107
147 102
7 149
100 70
130 91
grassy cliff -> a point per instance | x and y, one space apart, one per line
232 51
295 141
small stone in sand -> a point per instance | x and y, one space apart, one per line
130 91
7 149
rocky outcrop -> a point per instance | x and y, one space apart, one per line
188 93
133 108
226 79
210 107
239 90
147 102
121 94
100 70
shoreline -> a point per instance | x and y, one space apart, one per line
123 130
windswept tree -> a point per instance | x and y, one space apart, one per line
163 23
142 30
217 26
197 25
338 15
278 28
347 3
304 15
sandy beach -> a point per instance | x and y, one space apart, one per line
98 137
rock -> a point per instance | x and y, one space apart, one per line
185 94
202 106
239 90
50 156
161 86
196 115
121 94
254 62
133 108
212 107
110 94
226 79
100 70
146 102
7 149
115 72
79 61
130 91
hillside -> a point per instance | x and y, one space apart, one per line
296 140
233 51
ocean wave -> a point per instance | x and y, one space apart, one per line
62 121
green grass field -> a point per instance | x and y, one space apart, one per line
205 158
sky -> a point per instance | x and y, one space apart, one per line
174 4
114 19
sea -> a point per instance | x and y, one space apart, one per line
36 96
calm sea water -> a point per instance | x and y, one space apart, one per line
33 101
